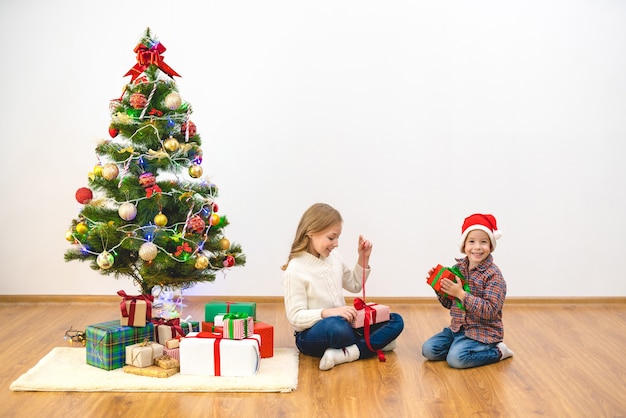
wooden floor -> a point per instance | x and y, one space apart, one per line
569 362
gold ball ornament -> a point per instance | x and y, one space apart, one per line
195 171
97 170
148 251
81 228
127 211
214 219
172 101
202 262
224 243
105 260
160 219
69 235
171 144
110 171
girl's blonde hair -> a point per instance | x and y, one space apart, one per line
317 218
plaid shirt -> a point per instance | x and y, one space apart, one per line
482 318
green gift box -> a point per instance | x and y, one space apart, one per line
219 308
106 342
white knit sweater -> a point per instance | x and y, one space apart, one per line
312 284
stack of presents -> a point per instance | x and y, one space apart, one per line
229 342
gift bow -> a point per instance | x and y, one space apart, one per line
370 313
147 56
133 302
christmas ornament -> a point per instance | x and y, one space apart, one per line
183 250
214 207
188 126
171 144
138 100
195 171
150 55
127 211
224 243
81 228
196 224
229 261
160 219
148 251
147 180
110 171
69 236
84 195
172 101
214 219
97 170
105 260
113 132
202 262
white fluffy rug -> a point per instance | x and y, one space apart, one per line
64 369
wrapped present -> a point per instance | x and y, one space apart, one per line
266 332
211 327
187 325
107 341
441 272
166 329
374 312
237 326
143 354
173 343
172 352
167 362
218 308
151 371
203 354
135 310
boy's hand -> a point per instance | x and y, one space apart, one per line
453 288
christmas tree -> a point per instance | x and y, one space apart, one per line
146 212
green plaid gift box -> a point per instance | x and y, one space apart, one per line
107 341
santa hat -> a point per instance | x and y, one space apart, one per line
481 222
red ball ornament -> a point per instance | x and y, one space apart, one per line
191 126
147 179
214 207
84 195
113 132
138 101
229 261
196 224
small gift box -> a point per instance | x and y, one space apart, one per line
440 272
151 371
218 308
172 352
189 326
135 310
266 332
106 342
143 354
374 312
203 354
166 362
166 329
173 343
237 326
211 327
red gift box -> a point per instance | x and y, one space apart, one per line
441 272
210 327
266 332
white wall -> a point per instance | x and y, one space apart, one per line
406 116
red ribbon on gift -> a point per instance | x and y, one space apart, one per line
174 324
147 56
130 314
360 304
216 349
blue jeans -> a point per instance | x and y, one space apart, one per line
458 350
336 332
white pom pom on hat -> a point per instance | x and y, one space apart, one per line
482 222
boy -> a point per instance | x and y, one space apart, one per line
474 337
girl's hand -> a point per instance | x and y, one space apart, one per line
346 312
365 250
